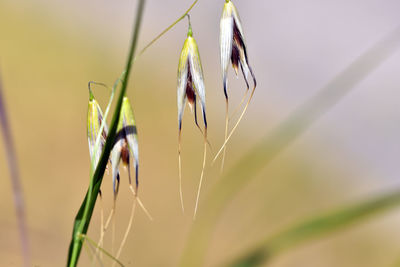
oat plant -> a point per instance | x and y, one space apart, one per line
121 135
119 141
191 90
233 50
83 217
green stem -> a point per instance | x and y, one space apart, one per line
166 30
83 217
103 123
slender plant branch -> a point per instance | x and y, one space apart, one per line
15 180
83 217
313 228
272 144
166 30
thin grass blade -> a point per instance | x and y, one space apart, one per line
316 227
272 144
15 180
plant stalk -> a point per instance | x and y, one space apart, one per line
83 217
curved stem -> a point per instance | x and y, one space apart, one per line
165 31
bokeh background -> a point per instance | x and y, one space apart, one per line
49 50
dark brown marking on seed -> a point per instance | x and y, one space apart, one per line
190 94
238 39
235 57
238 42
127 130
125 153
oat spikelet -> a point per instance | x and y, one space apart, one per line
233 49
94 121
190 89
126 148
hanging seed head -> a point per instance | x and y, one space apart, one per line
126 144
94 120
190 78
232 44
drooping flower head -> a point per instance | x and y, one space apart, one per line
94 120
233 49
126 145
190 89
233 45
190 79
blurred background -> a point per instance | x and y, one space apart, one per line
49 50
